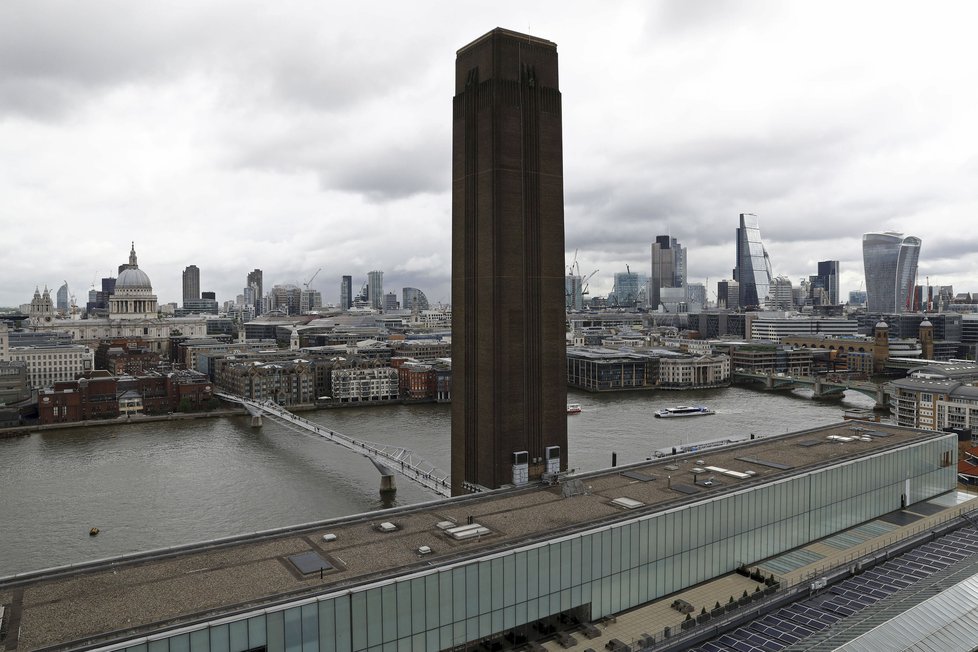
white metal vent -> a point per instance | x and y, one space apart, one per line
627 503
470 531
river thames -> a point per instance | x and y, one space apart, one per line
165 483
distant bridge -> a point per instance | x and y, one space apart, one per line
820 387
388 459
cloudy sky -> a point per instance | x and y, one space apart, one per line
293 135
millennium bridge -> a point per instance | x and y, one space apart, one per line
388 459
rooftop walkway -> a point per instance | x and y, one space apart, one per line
798 567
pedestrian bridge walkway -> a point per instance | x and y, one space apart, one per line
821 387
388 459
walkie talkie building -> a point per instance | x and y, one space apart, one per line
890 264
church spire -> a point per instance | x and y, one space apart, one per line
132 255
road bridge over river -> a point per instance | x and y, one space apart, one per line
388 459
821 387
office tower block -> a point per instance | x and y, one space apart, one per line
668 268
62 299
890 265
696 296
414 299
827 279
728 294
573 292
310 300
753 271
782 297
191 284
287 298
375 289
626 291
346 292
509 394
255 282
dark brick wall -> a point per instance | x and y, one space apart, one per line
508 348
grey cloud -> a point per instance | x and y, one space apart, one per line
90 48
384 176
788 178
53 55
362 163
678 17
36 99
950 250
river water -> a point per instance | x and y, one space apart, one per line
158 484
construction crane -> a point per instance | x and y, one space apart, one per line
585 280
71 298
574 269
311 279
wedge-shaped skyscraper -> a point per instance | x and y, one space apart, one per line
890 264
753 270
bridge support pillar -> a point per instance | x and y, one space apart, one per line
817 392
256 421
769 381
387 485
882 402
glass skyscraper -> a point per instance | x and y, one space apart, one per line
753 271
668 268
890 264
62 304
827 279
375 289
346 292
191 284
574 292
627 286
413 298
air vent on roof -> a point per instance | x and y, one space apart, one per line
329 537
470 531
444 525
424 550
697 469
627 503
728 472
387 526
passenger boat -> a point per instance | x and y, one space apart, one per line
684 411
573 408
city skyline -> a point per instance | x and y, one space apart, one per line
155 125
